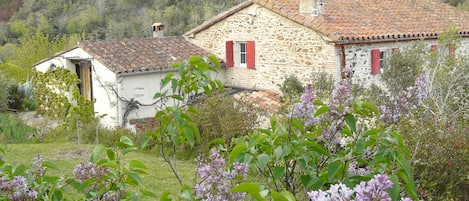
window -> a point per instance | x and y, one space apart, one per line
377 60
240 54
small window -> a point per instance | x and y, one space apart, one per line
383 55
377 60
240 54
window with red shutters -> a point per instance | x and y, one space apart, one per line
375 61
229 54
251 55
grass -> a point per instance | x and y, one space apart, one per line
67 154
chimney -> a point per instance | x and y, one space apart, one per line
306 6
315 7
158 30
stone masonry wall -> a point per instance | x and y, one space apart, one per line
359 57
282 48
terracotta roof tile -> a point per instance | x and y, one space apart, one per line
140 55
367 20
268 100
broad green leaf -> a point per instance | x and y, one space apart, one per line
351 122
111 154
195 60
318 102
360 146
279 171
177 97
396 189
321 109
277 196
334 169
51 179
74 183
50 165
126 140
215 61
186 192
278 152
148 193
189 136
251 188
409 185
263 160
58 195
217 141
127 150
319 182
288 195
97 152
20 170
112 164
137 164
236 151
404 163
134 179
296 123
319 149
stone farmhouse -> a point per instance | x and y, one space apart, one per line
261 42
123 75
264 41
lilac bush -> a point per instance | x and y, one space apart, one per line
216 181
305 109
84 171
407 100
374 189
16 189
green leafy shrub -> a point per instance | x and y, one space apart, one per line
93 134
291 88
222 118
440 156
3 94
14 130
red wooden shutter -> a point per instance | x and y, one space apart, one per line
452 51
375 63
229 54
434 48
250 54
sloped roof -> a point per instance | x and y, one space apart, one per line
351 21
141 55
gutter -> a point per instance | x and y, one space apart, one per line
167 70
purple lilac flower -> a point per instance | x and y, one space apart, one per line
17 189
305 109
84 171
339 106
406 101
216 181
375 189
37 168
354 169
337 192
